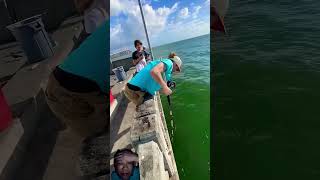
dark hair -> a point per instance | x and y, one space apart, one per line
136 42
121 151
172 54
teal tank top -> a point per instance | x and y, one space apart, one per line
90 59
145 81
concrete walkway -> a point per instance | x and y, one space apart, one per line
121 122
43 151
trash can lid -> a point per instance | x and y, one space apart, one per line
25 22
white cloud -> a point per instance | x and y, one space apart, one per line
207 2
114 31
184 13
116 7
193 28
165 24
196 11
132 27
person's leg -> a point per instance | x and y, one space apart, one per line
147 96
86 116
136 97
56 98
84 113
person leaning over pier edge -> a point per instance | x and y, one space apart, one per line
77 88
150 79
140 56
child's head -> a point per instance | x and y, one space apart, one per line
138 45
123 167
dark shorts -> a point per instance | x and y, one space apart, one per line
135 95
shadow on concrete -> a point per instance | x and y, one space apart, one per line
30 158
117 121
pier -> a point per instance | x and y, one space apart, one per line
143 129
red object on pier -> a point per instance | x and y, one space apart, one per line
111 97
5 113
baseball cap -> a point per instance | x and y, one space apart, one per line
178 61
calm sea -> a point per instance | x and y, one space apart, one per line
191 107
267 85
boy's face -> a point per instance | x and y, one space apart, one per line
139 47
124 169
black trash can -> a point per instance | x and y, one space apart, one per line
33 37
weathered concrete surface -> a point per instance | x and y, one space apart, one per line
12 59
72 159
94 158
31 154
121 116
28 81
120 128
117 91
132 126
151 162
8 140
24 93
25 86
64 158
149 125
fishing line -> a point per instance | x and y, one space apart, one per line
173 127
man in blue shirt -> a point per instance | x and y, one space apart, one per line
150 79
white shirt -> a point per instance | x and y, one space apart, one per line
95 15
141 64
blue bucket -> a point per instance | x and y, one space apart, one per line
120 73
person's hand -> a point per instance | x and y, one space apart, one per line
141 57
171 84
130 158
166 90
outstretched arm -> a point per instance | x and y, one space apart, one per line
156 75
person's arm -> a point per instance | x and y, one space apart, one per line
156 75
128 157
147 55
136 59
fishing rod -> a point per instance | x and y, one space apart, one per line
171 120
171 85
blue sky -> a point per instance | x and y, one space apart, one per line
167 21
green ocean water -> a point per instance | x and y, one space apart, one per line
191 107
267 92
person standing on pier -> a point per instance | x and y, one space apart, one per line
140 56
150 79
